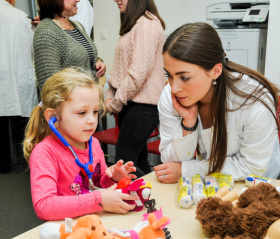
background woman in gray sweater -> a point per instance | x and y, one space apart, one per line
60 43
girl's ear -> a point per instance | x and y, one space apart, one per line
49 113
216 71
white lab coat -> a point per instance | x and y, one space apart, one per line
253 144
84 15
18 93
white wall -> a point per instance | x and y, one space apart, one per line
272 69
174 12
25 6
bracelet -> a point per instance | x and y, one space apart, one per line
189 129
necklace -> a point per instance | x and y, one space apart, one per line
64 27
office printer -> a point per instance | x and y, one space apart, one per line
239 14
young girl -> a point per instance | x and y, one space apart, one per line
225 112
59 187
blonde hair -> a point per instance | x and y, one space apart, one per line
56 90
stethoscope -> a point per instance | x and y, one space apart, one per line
86 166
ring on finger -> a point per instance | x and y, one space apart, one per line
164 176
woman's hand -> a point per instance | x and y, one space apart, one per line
101 68
119 170
112 201
189 113
168 172
35 21
109 108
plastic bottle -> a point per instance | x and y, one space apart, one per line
253 180
198 188
185 198
212 186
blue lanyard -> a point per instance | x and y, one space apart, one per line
85 166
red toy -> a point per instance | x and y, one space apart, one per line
137 187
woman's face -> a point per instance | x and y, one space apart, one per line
189 83
122 5
70 8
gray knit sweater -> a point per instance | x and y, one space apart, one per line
55 50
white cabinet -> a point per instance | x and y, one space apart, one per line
245 46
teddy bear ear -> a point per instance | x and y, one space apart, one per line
158 223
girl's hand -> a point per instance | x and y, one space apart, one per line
168 172
189 113
119 170
112 201
101 68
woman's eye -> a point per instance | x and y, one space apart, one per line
81 113
184 78
96 111
167 75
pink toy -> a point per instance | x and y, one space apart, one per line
137 187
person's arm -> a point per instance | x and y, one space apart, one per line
174 147
46 54
35 21
259 146
48 204
146 38
109 97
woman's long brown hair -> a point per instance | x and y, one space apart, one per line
134 10
199 44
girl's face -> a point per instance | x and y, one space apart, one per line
70 8
189 83
79 116
122 5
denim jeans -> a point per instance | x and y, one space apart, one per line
136 122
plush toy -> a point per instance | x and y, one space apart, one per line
87 227
137 187
256 210
91 227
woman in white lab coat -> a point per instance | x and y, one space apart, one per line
223 112
18 93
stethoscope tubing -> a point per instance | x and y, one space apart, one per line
66 144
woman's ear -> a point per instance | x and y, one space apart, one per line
216 71
49 113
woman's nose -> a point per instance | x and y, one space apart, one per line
175 86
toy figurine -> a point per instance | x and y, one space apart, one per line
137 187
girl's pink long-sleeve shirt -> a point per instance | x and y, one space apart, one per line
54 175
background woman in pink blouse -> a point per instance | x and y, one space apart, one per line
137 79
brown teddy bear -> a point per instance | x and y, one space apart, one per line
257 208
